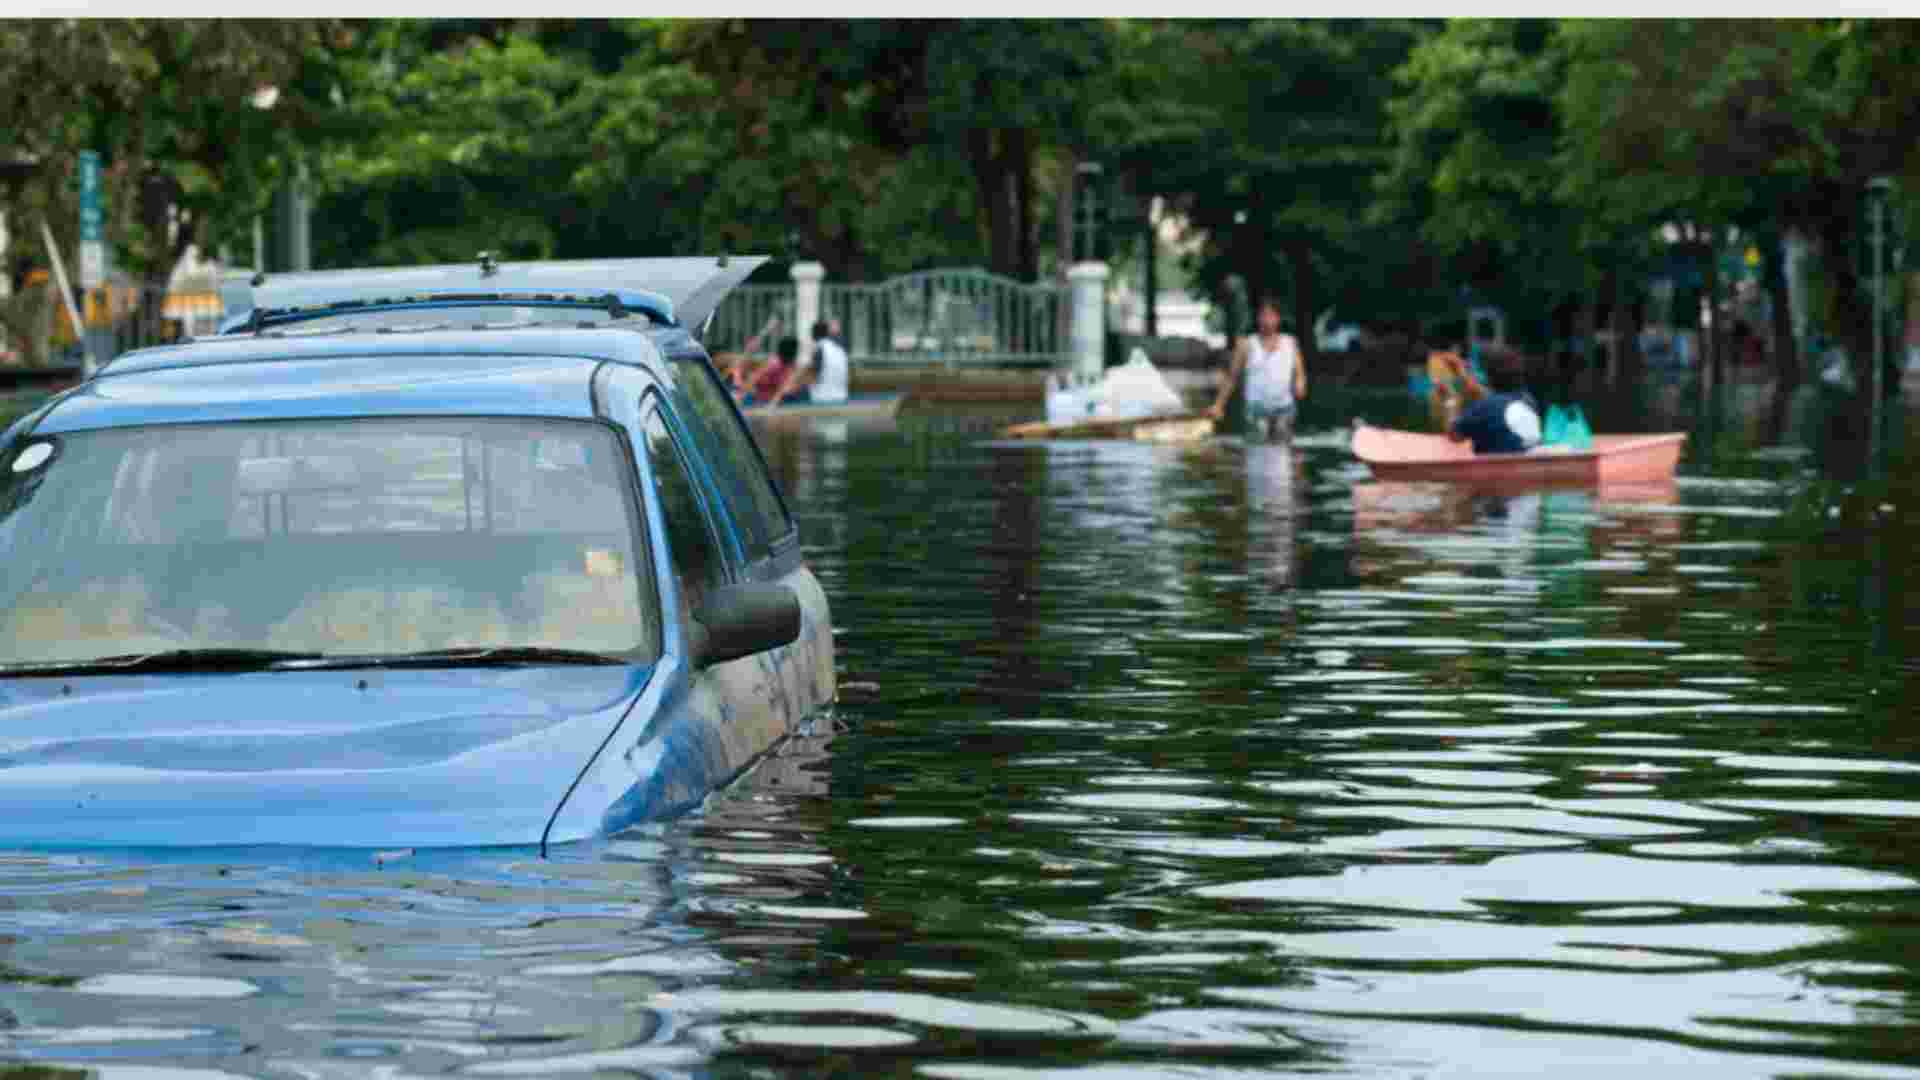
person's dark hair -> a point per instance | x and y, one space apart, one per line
821 331
789 349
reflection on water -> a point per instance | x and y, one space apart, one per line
1219 759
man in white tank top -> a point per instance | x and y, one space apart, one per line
822 376
1276 378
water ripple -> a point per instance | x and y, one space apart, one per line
1209 761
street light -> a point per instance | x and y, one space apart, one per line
1087 209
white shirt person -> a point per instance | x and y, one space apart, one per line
823 373
1276 378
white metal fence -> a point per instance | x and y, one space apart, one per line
949 318
934 318
937 318
749 310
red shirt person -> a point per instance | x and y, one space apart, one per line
768 380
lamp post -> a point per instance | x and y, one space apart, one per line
1149 275
1088 206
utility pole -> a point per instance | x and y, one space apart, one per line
93 257
1064 224
293 224
1150 279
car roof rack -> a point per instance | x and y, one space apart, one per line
681 290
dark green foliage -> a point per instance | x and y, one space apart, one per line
1392 170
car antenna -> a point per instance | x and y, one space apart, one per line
488 267
723 260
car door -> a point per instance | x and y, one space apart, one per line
761 697
763 526
708 720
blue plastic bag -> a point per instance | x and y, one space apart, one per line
1579 434
1554 431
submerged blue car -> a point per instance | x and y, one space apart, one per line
490 560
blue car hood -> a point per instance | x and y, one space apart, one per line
349 758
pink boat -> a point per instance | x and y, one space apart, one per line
1614 459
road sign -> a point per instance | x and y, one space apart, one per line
93 264
93 248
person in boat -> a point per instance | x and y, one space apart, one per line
737 367
770 378
1496 423
1275 373
822 378
1448 378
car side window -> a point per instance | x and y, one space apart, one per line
717 427
695 551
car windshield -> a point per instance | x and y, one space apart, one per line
369 537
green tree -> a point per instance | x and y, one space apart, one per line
171 105
875 146
481 135
885 145
1267 136
1766 123
1477 166
819 147
1006 92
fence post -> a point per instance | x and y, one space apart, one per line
807 277
1088 281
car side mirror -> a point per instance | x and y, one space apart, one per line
740 620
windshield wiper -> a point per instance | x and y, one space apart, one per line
479 656
517 654
219 659
264 659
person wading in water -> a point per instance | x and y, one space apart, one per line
1276 378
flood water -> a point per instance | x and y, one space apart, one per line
1193 761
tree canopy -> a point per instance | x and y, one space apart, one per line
193 120
1391 170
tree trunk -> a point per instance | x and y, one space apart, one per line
854 257
1616 325
1255 258
168 242
1300 257
1850 317
1710 333
1634 313
1149 277
1589 322
1786 351
1005 256
1063 237
1019 150
991 188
